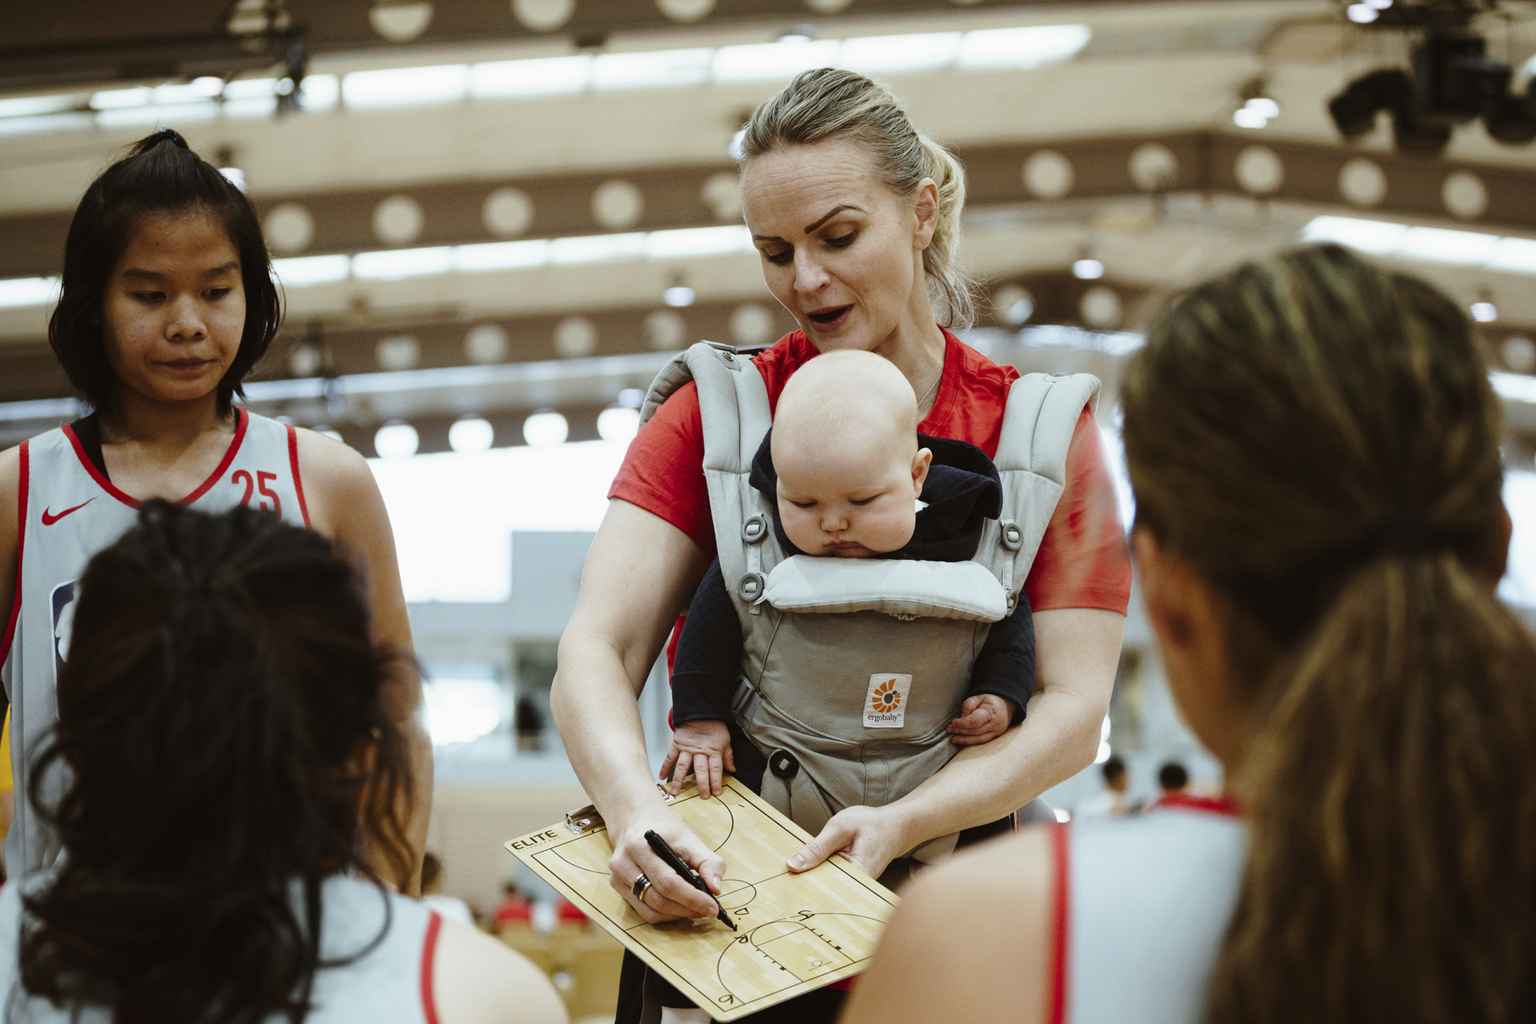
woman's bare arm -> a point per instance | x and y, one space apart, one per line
10 541
970 942
1077 654
477 980
345 505
639 575
9 533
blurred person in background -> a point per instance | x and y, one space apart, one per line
514 911
224 716
1172 780
856 217
1314 448
1110 799
450 908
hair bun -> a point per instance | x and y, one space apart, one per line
165 134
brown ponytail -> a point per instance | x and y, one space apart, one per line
1318 438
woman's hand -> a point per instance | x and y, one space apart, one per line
870 837
668 897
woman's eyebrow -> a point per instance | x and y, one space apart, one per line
830 214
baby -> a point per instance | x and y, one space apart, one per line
847 469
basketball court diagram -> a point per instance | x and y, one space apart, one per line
796 933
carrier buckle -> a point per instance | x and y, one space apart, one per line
1013 537
754 529
784 764
752 586
729 359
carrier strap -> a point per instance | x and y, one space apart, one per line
1038 423
733 405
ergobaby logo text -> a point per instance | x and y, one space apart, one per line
885 705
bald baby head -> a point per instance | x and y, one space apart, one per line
845 449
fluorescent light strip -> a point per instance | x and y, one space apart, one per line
398 264
1428 245
981 50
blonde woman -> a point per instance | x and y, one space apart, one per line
856 216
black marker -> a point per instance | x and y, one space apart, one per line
659 845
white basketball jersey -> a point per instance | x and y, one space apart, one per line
391 984
68 512
1146 903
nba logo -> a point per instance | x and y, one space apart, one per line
63 606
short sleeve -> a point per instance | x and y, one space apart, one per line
663 471
1083 561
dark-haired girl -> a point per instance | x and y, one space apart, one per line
1314 447
168 301
224 718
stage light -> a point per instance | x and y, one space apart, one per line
618 424
1354 110
1413 134
1247 117
677 294
396 441
1484 312
1363 14
1087 269
1509 120
545 429
471 434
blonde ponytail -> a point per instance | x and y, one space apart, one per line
831 104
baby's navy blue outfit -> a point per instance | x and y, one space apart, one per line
961 491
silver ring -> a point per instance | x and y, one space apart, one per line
641 884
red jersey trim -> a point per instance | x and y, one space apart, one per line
428 956
241 418
21 544
1061 847
1210 804
293 461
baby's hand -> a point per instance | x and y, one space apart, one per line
983 717
702 746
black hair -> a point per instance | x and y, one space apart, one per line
1113 769
223 719
160 175
1172 776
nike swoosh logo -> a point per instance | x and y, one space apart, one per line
49 519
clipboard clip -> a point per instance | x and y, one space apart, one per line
584 820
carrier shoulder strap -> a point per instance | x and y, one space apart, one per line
1038 423
733 404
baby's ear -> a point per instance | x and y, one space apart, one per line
920 463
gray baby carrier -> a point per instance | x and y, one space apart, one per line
852 668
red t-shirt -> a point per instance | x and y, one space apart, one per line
1082 562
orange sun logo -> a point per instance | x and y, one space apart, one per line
886 697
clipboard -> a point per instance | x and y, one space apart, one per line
797 933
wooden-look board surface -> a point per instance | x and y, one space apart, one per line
797 932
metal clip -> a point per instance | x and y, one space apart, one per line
752 586
754 529
729 359
584 820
